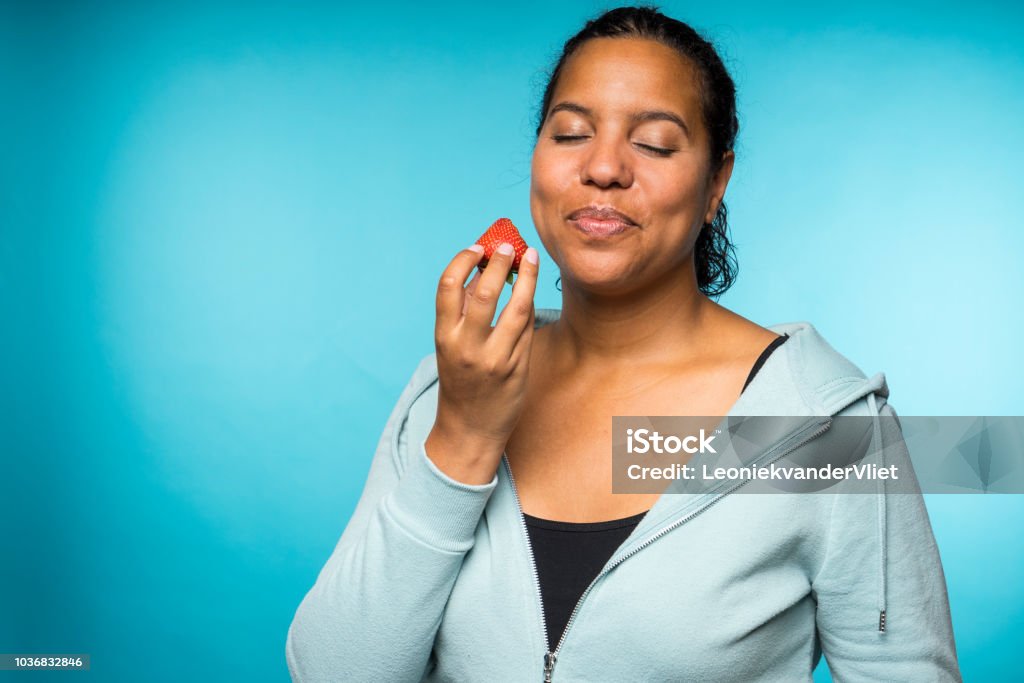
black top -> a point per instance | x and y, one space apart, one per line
568 555
776 343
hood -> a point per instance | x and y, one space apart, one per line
805 376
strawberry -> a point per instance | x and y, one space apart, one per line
502 230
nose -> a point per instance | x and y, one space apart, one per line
606 164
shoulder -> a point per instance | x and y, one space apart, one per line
422 382
827 379
414 414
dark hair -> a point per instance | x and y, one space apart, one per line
714 254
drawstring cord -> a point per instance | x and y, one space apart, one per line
881 513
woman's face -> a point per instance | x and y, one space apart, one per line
624 131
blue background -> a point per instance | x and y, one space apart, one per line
223 224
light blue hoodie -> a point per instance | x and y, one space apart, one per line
434 579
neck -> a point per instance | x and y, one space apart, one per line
658 325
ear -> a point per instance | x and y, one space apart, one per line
718 184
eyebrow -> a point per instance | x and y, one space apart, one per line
636 117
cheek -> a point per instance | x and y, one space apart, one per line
540 211
551 178
676 195
550 175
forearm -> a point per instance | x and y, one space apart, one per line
376 606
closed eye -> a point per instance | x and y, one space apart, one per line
660 151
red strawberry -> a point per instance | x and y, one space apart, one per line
502 230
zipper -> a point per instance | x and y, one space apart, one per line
551 656
549 665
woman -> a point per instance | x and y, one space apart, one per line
488 546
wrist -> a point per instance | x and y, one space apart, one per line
463 456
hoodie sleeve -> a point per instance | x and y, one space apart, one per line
883 611
375 608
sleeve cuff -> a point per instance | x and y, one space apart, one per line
436 509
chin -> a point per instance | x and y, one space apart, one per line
609 279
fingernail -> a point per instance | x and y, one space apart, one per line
477 248
531 255
505 248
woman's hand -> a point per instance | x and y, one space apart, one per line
481 370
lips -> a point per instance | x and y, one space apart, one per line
601 221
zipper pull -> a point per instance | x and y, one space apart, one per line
549 665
